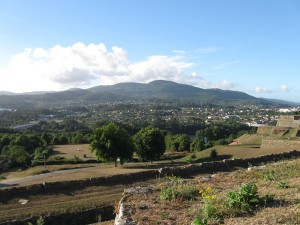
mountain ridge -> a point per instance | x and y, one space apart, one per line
161 89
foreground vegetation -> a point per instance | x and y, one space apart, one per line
269 195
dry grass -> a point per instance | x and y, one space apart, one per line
95 171
253 139
68 151
61 201
19 173
238 151
285 209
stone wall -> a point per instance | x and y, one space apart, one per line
280 144
288 121
186 170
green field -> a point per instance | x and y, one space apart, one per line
69 151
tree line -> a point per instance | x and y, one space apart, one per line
112 141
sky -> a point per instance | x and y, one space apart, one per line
251 46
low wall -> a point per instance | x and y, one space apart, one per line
206 167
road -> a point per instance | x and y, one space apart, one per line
17 181
81 173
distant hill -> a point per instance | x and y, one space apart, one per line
171 90
283 102
7 93
159 89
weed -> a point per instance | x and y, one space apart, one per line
245 199
269 176
40 221
177 189
283 185
168 194
2 177
199 221
209 207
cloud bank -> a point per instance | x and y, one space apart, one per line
83 65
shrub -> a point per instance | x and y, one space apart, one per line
213 153
209 207
168 194
245 199
199 221
177 189
40 221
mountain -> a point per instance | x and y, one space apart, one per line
159 89
7 93
171 90
279 101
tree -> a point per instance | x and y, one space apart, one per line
150 144
19 154
46 138
198 143
111 142
171 142
184 142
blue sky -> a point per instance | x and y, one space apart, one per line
251 46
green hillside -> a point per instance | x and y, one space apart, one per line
158 89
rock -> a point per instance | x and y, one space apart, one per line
23 201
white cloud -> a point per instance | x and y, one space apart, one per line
83 65
224 84
284 88
261 90
195 75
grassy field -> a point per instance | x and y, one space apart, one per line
182 201
68 151
250 139
227 152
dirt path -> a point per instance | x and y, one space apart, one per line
17 181
83 173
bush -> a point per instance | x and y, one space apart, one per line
210 206
199 221
40 221
177 189
213 153
245 199
168 194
